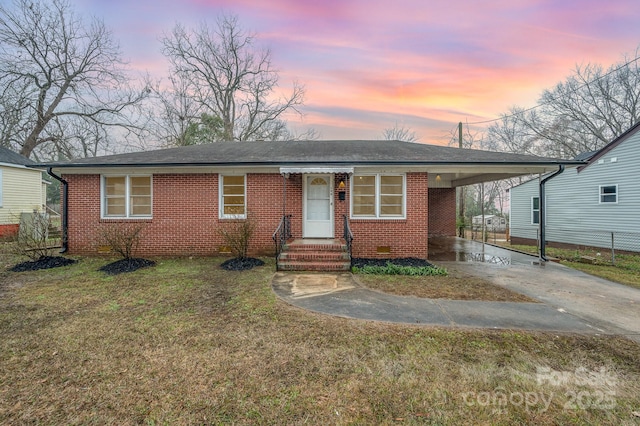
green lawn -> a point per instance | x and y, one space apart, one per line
186 342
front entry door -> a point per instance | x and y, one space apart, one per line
318 206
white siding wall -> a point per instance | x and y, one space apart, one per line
21 192
574 212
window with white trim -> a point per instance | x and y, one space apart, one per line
378 196
233 197
608 194
535 210
127 196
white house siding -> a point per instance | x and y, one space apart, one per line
574 213
21 192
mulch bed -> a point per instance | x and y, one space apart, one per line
126 265
45 262
404 261
237 264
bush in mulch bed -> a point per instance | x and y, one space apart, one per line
126 265
359 262
240 264
404 266
45 262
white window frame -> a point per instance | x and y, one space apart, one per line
600 194
535 210
127 197
377 215
221 214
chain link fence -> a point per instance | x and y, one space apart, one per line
600 245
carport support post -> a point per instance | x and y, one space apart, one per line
543 205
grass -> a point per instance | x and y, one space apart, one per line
186 342
625 271
457 285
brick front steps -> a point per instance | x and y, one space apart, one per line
315 255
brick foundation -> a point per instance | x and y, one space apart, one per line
9 231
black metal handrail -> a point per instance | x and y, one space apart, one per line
347 234
282 234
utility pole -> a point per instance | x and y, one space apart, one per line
461 192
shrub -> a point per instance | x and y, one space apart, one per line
123 238
237 234
32 239
391 269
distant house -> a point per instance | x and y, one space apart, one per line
589 205
492 223
390 195
21 190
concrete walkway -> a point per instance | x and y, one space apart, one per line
572 301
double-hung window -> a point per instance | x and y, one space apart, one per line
608 194
128 196
535 210
378 196
233 197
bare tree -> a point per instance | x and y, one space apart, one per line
55 68
399 133
230 78
583 113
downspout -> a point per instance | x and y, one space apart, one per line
63 209
543 203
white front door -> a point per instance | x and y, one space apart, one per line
318 206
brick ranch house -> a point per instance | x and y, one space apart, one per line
391 194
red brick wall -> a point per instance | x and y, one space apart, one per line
185 216
442 211
9 231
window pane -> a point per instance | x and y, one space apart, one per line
115 193
140 185
536 216
115 207
364 196
364 210
608 189
608 198
115 185
391 185
390 210
233 210
536 203
233 180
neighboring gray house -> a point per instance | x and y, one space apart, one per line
589 205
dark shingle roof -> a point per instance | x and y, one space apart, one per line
10 157
352 152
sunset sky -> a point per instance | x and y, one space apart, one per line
426 65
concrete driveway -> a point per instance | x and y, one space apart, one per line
606 304
572 301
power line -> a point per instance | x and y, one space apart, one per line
626 64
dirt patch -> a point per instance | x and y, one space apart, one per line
238 264
126 265
45 262
457 285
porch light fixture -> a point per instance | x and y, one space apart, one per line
342 195
438 178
